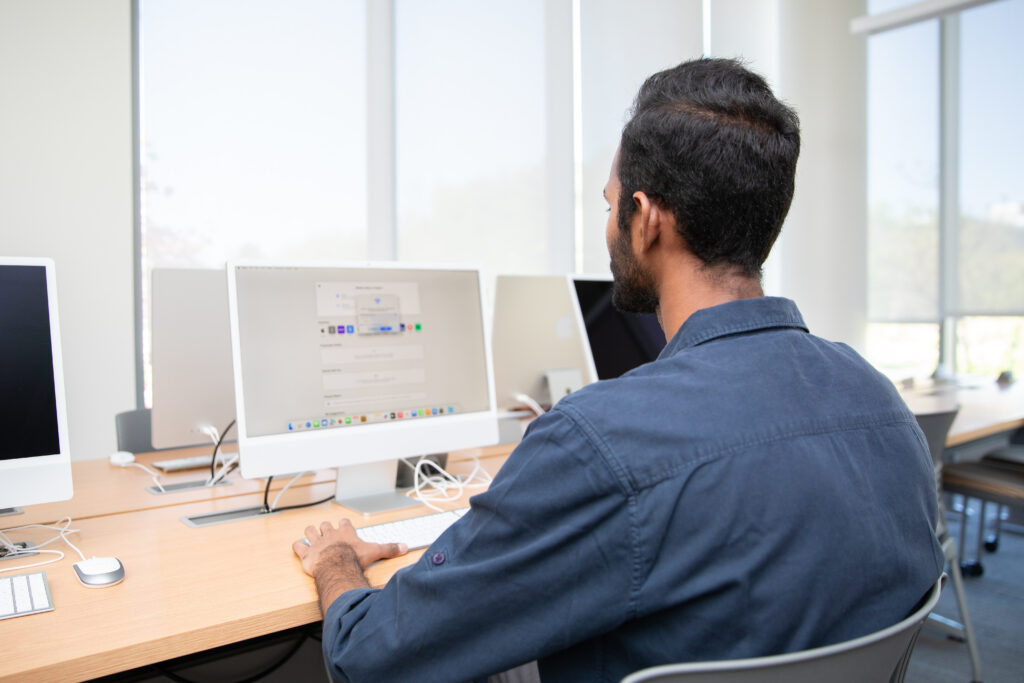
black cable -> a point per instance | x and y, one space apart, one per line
251 679
303 505
216 447
266 501
266 495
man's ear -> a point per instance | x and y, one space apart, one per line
650 221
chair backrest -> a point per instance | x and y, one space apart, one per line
134 431
936 428
880 657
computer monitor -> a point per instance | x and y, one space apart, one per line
537 340
35 460
193 382
618 342
356 365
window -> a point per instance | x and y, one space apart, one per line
950 260
254 119
252 127
903 199
470 133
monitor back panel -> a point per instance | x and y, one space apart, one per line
536 329
193 382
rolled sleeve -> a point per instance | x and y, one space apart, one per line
534 567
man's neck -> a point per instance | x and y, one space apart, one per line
685 290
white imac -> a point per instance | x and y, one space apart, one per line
617 342
35 460
354 366
540 351
193 381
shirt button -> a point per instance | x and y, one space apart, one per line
437 558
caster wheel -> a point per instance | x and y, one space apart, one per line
972 568
991 544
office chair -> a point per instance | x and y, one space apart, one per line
936 428
879 657
134 431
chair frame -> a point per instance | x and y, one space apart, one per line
781 667
936 428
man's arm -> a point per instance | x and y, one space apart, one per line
335 557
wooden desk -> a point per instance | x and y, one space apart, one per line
105 489
985 409
186 590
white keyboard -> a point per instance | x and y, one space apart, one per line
24 594
415 532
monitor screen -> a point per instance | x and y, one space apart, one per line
193 384
337 366
536 330
618 341
34 456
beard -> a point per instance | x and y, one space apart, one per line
633 288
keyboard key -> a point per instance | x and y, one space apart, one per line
22 598
24 594
6 597
38 589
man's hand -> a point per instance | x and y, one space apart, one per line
335 557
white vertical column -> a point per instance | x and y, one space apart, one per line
823 74
949 187
559 163
382 228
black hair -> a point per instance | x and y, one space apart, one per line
709 141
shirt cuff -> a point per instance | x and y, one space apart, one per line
343 614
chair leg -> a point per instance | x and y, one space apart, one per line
992 540
982 514
961 602
970 567
960 631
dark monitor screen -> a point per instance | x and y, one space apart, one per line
28 402
618 341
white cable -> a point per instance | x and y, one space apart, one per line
154 475
210 431
478 473
62 532
530 403
439 486
34 564
273 506
225 469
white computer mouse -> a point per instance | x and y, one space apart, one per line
99 572
122 458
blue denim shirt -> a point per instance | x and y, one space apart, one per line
755 490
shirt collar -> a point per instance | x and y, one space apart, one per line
735 317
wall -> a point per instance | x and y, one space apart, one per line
823 74
805 51
66 190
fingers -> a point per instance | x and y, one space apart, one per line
389 550
300 549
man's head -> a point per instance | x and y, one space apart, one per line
708 142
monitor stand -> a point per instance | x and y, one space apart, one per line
370 488
10 511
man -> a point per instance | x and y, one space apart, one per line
755 490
